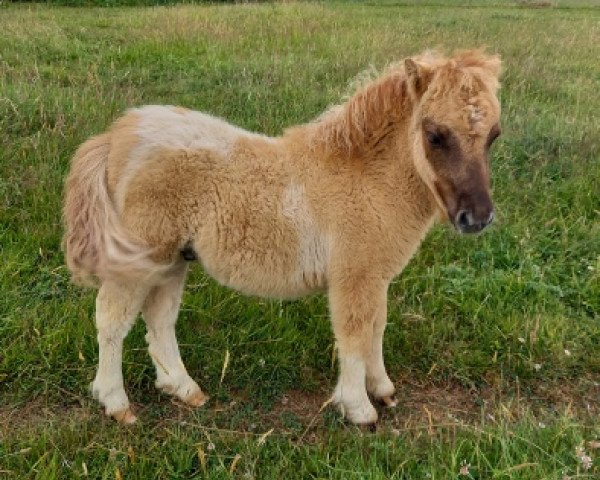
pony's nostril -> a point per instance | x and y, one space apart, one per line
491 217
463 218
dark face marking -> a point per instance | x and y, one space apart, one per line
462 178
441 146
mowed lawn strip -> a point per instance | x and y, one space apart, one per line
492 340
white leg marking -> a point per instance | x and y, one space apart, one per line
116 308
351 394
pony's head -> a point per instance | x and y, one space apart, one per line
455 121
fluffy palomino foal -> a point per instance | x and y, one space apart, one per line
337 205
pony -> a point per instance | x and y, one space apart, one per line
337 205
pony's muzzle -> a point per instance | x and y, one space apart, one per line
466 221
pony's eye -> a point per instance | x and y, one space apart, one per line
435 139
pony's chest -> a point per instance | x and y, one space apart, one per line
407 242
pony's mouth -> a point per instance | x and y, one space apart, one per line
465 222
466 216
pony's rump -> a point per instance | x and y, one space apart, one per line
95 243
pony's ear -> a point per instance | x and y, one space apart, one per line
418 77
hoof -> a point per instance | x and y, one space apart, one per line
365 416
196 399
389 401
125 417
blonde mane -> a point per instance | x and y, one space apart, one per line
381 102
352 127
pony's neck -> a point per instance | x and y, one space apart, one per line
364 126
373 128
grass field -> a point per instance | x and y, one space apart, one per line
493 341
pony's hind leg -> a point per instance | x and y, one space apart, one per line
160 314
117 306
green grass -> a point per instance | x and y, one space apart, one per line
493 341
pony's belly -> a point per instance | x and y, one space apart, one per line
279 262
261 239
270 279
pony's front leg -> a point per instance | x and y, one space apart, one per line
117 306
160 312
355 303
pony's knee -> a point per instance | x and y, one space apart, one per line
355 342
